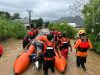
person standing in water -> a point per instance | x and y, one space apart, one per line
82 45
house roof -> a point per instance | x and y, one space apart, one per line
25 20
73 24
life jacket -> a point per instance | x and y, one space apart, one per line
1 50
65 53
64 43
34 32
49 53
31 33
84 45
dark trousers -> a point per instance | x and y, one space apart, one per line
0 55
25 44
81 61
48 64
40 59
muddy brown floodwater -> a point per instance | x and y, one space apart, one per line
13 48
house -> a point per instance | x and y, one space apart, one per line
72 24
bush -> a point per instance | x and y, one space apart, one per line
11 29
96 44
92 22
64 28
98 47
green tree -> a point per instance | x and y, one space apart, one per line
13 29
47 24
40 22
64 28
34 23
37 23
92 21
92 17
5 15
16 16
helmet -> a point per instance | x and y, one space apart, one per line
82 32
59 34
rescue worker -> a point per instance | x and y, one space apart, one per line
65 45
58 40
55 35
39 45
51 31
49 54
26 42
54 32
35 31
82 45
31 34
29 37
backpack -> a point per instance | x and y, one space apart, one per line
84 45
49 50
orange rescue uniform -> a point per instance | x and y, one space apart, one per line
82 54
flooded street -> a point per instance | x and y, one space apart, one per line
25 43
13 48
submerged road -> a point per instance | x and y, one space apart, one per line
13 47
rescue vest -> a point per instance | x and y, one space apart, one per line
84 45
49 51
64 43
30 33
1 50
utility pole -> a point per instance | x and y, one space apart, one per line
29 13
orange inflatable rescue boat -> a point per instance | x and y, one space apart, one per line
23 61
60 63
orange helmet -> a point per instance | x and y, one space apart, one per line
58 33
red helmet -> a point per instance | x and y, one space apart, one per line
59 33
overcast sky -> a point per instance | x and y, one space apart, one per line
47 9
